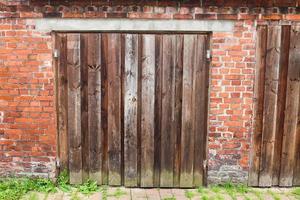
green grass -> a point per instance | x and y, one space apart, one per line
258 194
118 193
242 189
219 197
170 198
104 192
204 197
63 181
189 194
202 190
16 188
216 189
233 190
274 195
74 195
296 191
89 187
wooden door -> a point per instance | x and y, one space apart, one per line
275 156
132 108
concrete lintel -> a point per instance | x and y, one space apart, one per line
133 25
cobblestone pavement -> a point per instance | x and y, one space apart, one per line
169 194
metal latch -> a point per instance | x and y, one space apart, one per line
55 53
208 54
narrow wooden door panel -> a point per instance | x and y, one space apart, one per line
104 106
187 131
130 109
74 108
158 108
147 110
177 104
167 137
296 180
114 108
284 63
200 105
133 108
270 102
258 104
62 103
94 106
278 73
291 111
84 106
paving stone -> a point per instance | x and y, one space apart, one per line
292 197
267 197
75 195
285 190
250 195
283 196
34 195
194 193
165 193
161 194
96 196
56 196
224 195
138 193
179 194
126 195
152 194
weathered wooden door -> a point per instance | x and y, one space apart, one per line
275 157
132 108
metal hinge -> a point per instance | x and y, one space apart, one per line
55 53
208 54
57 162
204 164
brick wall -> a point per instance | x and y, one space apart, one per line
27 110
230 112
27 125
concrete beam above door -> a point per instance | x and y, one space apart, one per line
133 25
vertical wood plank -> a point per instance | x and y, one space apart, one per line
291 111
261 50
62 103
122 49
114 108
270 105
84 106
177 103
130 109
187 131
104 106
284 62
200 98
167 137
158 107
94 106
296 180
147 110
74 108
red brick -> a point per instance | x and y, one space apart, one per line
227 16
182 16
205 16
